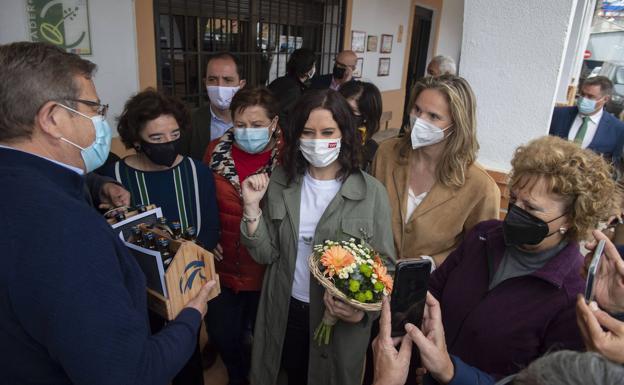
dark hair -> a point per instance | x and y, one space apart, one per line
294 163
300 62
254 96
144 107
606 85
368 99
32 74
227 56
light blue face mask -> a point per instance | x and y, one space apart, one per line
96 154
586 106
252 140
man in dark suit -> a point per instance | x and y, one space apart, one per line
588 124
209 122
342 72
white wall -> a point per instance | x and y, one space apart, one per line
377 17
451 29
579 36
512 54
113 41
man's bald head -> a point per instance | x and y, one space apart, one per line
347 57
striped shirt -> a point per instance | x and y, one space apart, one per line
185 193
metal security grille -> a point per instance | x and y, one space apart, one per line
262 33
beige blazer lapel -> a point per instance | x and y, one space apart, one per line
400 175
438 195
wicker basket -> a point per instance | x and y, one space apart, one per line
313 263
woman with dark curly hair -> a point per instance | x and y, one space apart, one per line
182 187
507 294
318 193
151 123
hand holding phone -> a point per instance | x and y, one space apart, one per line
593 269
409 293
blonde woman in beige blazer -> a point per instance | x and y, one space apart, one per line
437 190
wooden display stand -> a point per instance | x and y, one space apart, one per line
190 268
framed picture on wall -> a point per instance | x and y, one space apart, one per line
359 66
384 66
371 43
386 44
358 41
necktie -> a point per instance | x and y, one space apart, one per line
578 139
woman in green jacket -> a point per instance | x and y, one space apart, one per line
318 194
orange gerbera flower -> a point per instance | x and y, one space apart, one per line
382 274
335 259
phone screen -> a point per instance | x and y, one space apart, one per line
409 294
593 269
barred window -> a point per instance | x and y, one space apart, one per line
262 33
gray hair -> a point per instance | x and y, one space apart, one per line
571 368
32 74
446 64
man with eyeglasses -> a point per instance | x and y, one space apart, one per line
342 73
102 192
73 306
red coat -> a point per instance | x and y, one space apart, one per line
237 271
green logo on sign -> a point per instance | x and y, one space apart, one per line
64 23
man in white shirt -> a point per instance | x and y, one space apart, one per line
588 124
210 122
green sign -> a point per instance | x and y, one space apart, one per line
64 23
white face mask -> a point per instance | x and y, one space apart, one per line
320 152
221 96
312 72
425 133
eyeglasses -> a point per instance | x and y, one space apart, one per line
102 109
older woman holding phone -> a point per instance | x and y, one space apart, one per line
437 190
524 272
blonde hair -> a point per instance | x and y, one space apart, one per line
460 150
581 177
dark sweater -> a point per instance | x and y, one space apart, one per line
72 299
502 330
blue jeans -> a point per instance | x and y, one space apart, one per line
230 318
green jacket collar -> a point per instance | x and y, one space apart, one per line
354 188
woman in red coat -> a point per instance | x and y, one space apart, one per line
251 146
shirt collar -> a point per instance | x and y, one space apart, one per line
334 85
214 116
77 170
595 118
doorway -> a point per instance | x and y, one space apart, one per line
421 32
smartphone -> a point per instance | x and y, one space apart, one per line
407 303
593 269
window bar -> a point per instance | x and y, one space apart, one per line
213 43
171 50
187 79
331 34
278 32
228 28
199 47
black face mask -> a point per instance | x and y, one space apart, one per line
338 73
522 228
358 120
163 154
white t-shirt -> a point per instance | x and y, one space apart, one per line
592 127
413 201
315 197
